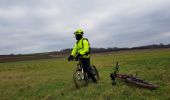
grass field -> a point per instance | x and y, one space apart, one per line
51 79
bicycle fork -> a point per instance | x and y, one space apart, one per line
82 73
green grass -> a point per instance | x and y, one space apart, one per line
51 79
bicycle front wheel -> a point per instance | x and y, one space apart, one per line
80 79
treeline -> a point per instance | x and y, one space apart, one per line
99 50
153 46
64 52
92 50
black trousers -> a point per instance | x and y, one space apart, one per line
86 67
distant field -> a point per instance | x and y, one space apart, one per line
51 79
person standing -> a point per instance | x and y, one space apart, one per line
81 52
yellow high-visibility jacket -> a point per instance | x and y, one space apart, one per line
82 47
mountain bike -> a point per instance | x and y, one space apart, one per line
81 78
130 79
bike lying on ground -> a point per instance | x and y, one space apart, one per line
81 78
130 79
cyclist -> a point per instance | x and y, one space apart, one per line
81 51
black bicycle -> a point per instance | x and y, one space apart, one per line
130 79
81 78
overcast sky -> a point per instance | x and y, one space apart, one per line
31 26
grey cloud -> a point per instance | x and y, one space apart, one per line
28 26
126 29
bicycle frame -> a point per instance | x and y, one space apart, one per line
116 74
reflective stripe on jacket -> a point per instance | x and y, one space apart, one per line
82 47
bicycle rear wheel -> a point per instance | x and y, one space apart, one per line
95 71
141 83
80 79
